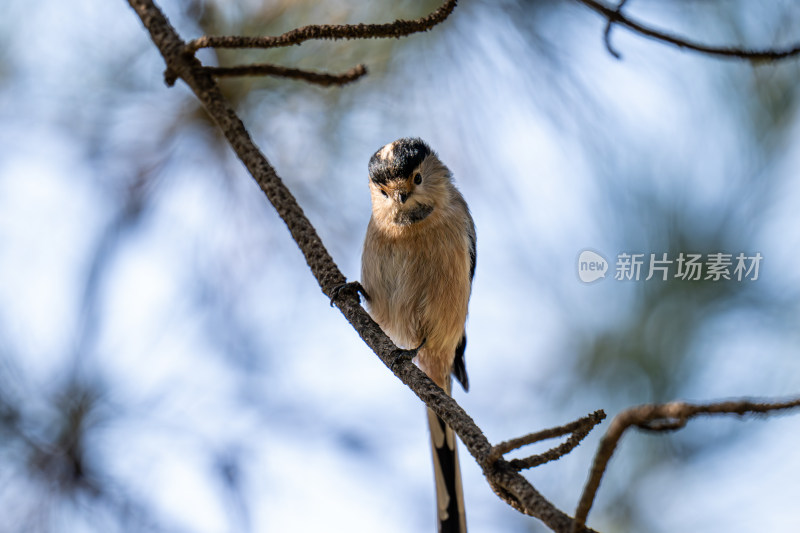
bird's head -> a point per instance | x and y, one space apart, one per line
407 182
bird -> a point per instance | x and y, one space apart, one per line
417 267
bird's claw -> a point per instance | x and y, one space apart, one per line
406 355
351 288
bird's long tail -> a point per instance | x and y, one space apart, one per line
449 494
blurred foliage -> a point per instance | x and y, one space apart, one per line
657 191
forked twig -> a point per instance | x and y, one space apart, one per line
660 417
577 430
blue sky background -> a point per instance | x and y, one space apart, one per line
160 330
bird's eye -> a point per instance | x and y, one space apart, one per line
417 178
384 193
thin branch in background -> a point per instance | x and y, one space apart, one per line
398 28
607 32
267 69
660 417
615 16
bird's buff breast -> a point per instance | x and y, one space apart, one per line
419 285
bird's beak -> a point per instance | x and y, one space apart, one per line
401 195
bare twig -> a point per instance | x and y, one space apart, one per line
266 69
661 417
582 427
396 29
607 32
578 429
615 16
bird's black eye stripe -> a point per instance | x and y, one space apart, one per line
384 193
417 178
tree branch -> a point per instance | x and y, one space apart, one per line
507 482
660 417
614 15
398 28
607 32
578 429
267 69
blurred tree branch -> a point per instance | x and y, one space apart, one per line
503 475
614 15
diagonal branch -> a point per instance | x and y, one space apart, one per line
614 15
507 482
660 417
